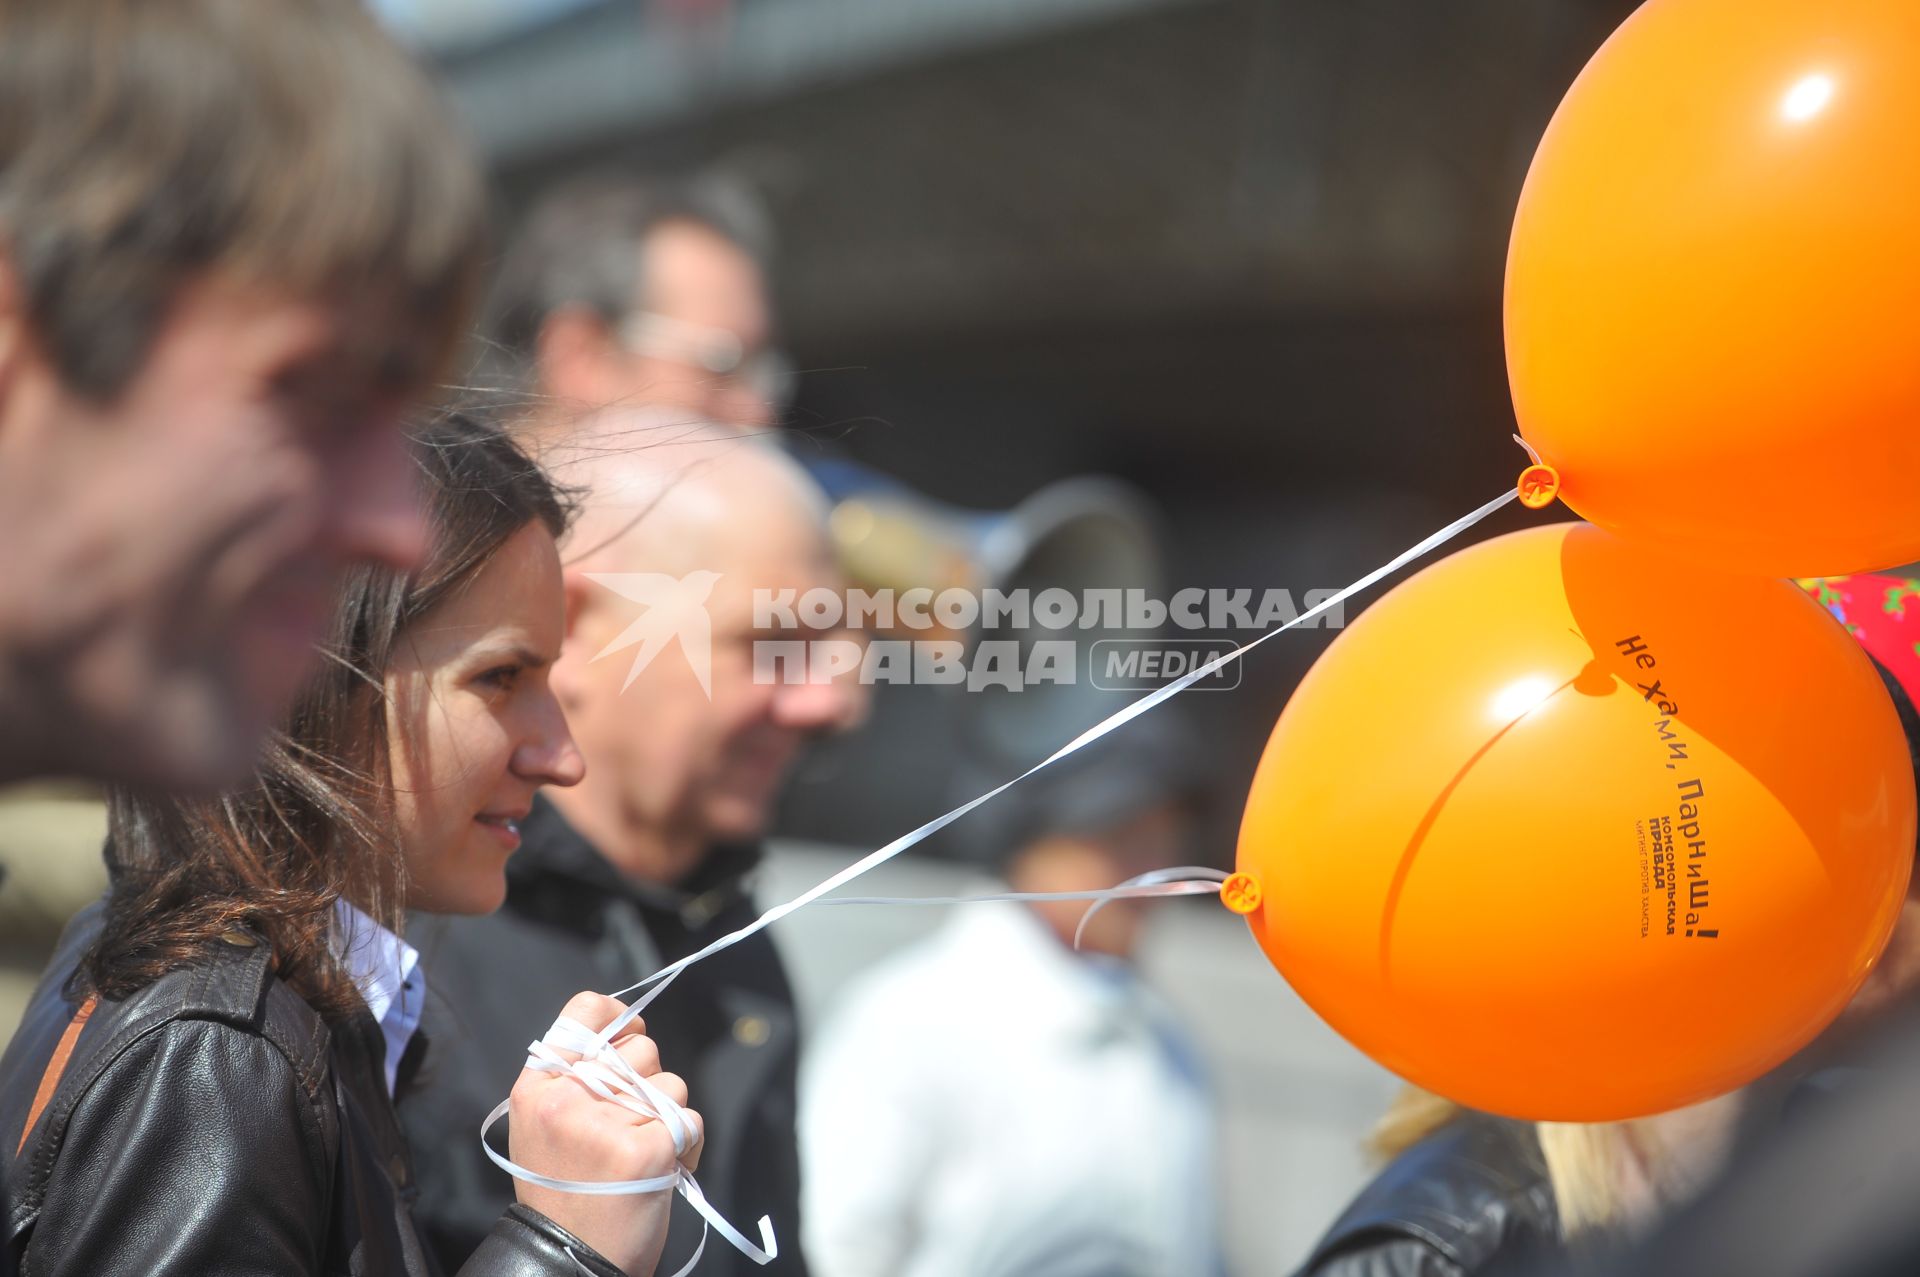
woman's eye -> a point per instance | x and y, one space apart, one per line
500 677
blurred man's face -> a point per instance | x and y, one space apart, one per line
699 771
1153 839
177 548
709 293
695 340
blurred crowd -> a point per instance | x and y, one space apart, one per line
372 722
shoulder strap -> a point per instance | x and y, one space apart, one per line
57 1066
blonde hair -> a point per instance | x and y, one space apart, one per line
1587 1165
1605 1176
1623 1176
1412 1115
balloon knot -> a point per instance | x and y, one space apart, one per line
1241 893
1539 485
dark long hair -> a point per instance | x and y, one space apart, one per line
316 825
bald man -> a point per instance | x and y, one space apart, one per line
648 859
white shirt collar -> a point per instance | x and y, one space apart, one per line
386 970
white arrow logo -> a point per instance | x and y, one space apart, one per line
675 609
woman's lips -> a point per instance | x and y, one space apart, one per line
504 828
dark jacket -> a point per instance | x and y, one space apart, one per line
1470 1194
213 1123
573 922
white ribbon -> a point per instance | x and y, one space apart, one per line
595 1079
1184 880
1194 881
1181 880
604 1071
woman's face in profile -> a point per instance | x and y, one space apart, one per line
474 729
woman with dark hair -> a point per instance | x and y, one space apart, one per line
204 1081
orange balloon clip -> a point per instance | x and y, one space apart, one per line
1539 485
1241 893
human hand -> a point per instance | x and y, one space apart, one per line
560 1129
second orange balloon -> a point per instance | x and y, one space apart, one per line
1564 830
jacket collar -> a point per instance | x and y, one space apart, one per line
1473 1189
386 970
553 849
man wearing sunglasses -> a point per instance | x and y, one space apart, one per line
627 294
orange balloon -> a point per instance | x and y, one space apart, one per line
1564 830
1711 284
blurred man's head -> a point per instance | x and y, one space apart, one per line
632 294
1122 807
237 240
681 528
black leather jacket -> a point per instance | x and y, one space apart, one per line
214 1123
573 922
1470 1194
